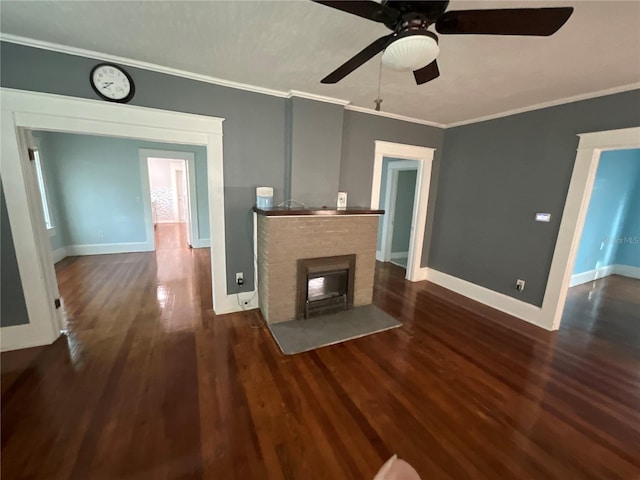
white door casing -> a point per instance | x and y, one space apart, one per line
424 156
590 146
42 111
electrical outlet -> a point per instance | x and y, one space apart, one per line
240 278
100 234
520 285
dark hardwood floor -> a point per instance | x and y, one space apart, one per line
150 384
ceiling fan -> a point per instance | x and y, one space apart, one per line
412 47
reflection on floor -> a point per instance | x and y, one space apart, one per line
171 236
401 262
607 309
151 384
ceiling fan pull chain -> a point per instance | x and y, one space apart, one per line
378 100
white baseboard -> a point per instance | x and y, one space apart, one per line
590 276
423 274
108 248
59 254
596 274
393 256
24 336
499 301
627 271
231 303
201 243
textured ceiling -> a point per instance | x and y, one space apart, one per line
291 45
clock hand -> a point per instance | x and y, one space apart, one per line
107 84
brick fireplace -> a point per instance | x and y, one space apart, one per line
286 236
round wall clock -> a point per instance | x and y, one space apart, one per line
112 83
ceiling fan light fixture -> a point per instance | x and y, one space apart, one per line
411 51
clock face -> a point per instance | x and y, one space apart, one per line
112 83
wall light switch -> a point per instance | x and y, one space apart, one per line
543 217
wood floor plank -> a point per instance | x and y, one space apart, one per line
150 384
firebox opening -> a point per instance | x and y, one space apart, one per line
325 285
326 291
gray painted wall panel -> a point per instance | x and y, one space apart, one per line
316 144
495 175
404 211
386 161
254 128
361 130
13 309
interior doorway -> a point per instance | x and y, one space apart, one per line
610 242
606 269
97 201
590 147
420 159
41 111
170 197
398 194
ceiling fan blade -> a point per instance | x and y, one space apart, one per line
515 21
426 74
358 60
366 9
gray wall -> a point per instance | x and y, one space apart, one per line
360 132
316 143
486 183
254 129
404 211
495 175
386 161
13 309
256 138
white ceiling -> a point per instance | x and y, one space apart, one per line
291 45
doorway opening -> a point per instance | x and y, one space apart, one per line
41 111
590 148
106 201
398 194
418 160
605 278
170 199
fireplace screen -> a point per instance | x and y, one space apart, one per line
325 285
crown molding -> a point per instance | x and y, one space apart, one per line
318 98
395 116
80 52
552 103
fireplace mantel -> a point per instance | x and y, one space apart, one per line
298 211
